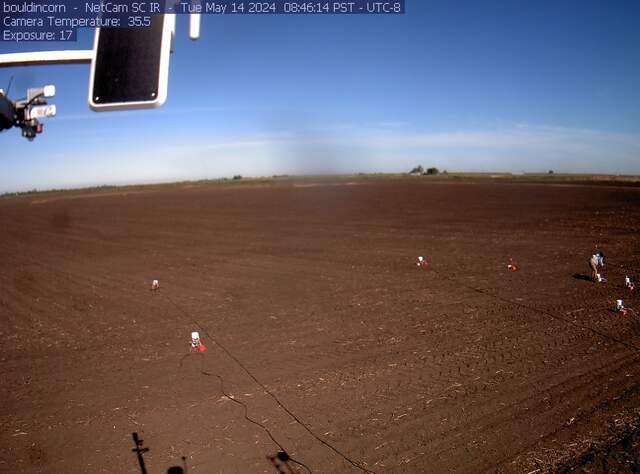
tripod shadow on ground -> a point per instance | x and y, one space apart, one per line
140 451
282 463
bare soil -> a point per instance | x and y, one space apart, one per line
324 338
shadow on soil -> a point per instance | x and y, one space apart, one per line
622 456
280 462
579 276
139 450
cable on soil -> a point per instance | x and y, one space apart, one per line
539 311
268 392
246 410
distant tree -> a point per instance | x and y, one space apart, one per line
550 171
238 176
432 171
417 170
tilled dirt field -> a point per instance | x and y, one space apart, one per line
324 338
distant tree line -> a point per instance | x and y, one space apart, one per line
419 170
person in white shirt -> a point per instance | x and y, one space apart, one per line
596 261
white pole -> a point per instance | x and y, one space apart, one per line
78 56
194 26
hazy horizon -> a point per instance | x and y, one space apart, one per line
473 85
354 175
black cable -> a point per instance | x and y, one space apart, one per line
9 87
541 311
251 420
34 98
246 410
272 395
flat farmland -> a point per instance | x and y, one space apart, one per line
324 338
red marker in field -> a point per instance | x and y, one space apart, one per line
196 343
621 308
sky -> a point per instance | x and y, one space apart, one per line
462 85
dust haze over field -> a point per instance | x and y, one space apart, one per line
319 323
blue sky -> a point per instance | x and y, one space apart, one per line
475 85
